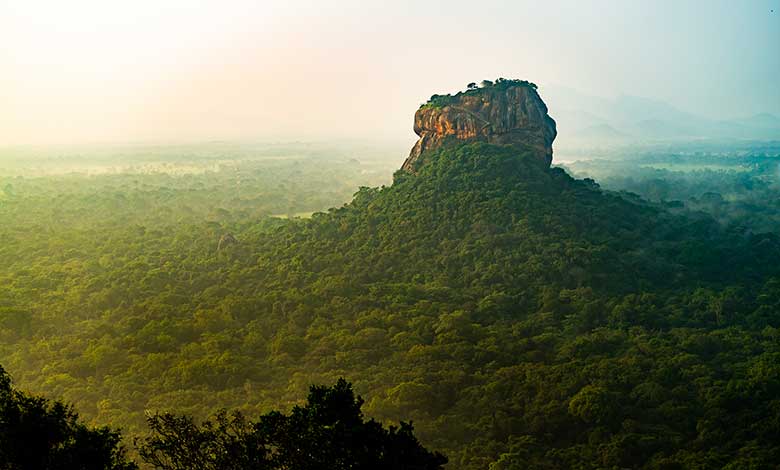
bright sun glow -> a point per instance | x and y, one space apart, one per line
92 71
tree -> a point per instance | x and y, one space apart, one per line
592 404
471 86
36 433
225 441
328 432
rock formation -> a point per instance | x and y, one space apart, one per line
226 240
507 112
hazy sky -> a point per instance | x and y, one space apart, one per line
82 71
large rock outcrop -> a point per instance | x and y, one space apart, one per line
507 112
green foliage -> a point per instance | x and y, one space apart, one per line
36 433
487 86
439 101
741 192
328 432
521 318
592 404
178 443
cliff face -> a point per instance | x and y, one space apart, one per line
500 115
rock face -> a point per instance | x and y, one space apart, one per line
226 240
508 114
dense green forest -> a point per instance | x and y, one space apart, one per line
519 317
329 431
741 191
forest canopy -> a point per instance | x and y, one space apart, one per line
328 432
518 316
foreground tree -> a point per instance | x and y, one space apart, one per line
328 432
36 433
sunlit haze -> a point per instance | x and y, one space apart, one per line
87 71
396 234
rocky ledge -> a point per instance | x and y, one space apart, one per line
500 112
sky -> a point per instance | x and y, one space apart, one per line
93 71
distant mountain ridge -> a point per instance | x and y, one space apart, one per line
633 119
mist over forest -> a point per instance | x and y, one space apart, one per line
368 236
137 278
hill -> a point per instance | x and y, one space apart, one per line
521 318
